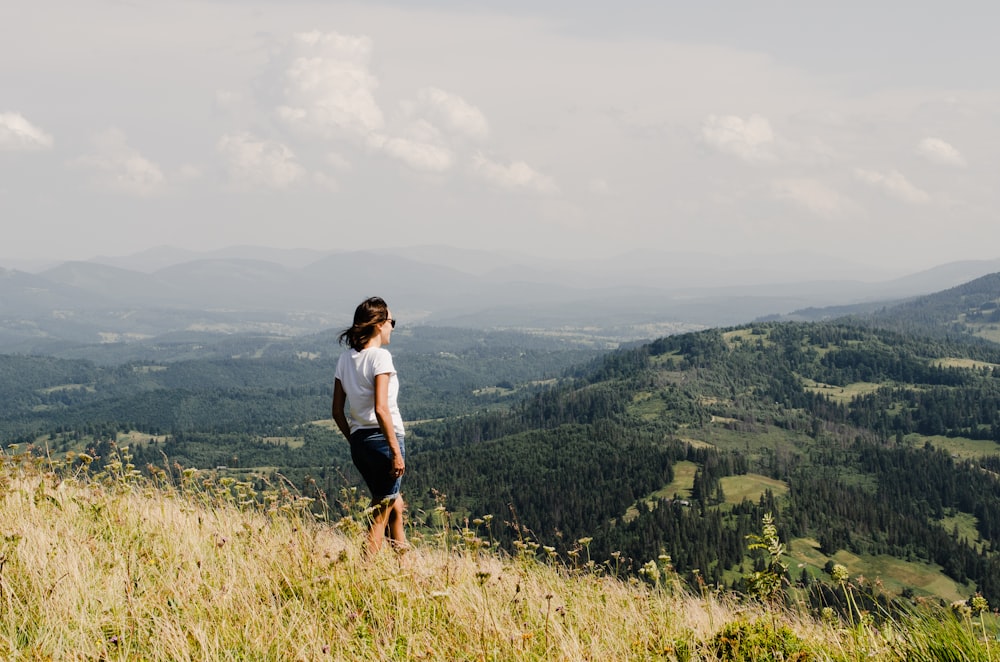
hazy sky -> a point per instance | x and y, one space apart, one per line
869 130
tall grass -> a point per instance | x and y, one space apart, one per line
186 565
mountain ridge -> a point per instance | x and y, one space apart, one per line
304 290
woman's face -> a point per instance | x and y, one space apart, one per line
385 328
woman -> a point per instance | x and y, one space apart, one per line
366 381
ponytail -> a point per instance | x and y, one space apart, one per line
369 314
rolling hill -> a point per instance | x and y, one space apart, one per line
872 447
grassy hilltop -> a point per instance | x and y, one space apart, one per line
117 566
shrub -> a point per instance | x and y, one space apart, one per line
757 641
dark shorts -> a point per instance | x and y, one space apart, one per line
373 458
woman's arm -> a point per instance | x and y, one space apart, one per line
337 409
384 417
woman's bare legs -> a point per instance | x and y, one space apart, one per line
387 515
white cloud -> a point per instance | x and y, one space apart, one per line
329 91
455 112
17 134
416 154
940 152
812 195
749 139
328 87
254 162
894 184
117 166
516 176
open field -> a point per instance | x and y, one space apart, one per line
739 336
136 437
89 388
696 443
292 442
736 488
763 438
145 369
750 486
680 486
987 331
966 526
841 393
964 363
885 573
959 447
647 406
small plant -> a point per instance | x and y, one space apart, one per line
766 585
758 641
841 576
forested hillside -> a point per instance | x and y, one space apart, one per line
860 441
969 311
251 401
870 447
972 308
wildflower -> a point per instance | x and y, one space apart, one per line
650 572
961 608
839 573
978 604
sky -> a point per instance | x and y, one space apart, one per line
863 131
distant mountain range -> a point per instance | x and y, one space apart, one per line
239 289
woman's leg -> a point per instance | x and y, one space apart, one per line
381 513
397 532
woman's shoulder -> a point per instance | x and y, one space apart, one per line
379 357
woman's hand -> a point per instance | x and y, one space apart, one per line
398 465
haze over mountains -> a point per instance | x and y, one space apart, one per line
252 289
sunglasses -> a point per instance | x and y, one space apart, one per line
391 322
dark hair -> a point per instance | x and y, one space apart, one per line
370 313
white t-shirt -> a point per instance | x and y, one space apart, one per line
356 372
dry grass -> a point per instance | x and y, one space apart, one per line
116 566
